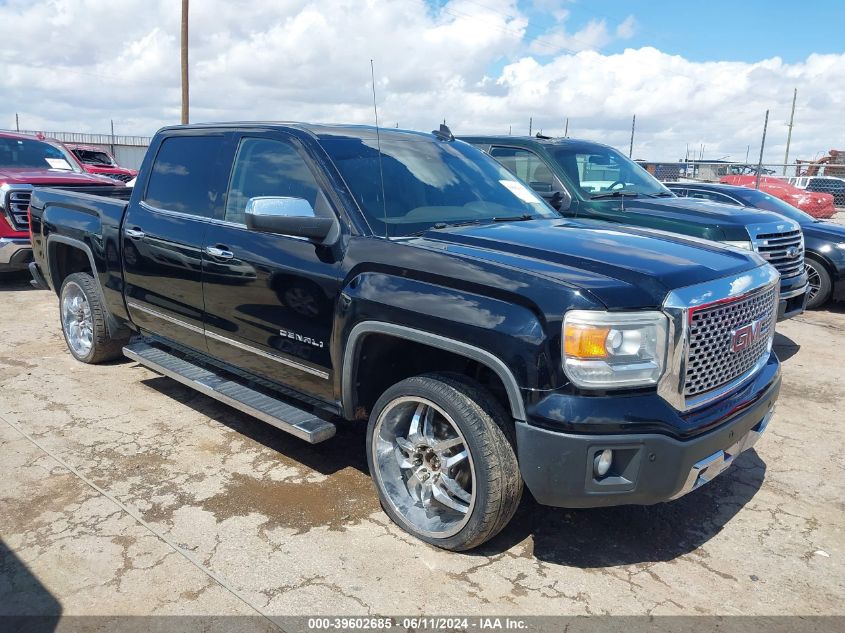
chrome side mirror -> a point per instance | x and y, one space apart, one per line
287 216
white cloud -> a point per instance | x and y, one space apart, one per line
625 29
473 62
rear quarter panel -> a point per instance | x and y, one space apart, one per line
70 217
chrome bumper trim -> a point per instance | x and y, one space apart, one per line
10 246
794 293
707 469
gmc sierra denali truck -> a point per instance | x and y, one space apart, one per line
27 162
584 179
313 276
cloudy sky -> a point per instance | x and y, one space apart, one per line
694 73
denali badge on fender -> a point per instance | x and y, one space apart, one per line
744 337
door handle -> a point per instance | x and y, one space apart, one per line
219 252
135 234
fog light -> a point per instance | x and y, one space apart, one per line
602 462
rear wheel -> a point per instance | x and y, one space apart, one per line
441 456
820 284
84 321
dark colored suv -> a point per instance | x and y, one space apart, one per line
584 179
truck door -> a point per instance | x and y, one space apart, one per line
270 298
162 236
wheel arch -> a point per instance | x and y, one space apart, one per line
359 333
67 255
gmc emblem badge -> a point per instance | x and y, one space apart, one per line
742 338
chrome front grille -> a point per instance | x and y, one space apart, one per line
784 251
713 360
121 177
17 205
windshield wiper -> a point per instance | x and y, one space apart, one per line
619 193
660 194
515 218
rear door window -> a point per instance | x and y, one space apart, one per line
185 176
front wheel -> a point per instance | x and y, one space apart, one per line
442 460
819 282
84 321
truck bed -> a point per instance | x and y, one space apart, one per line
88 218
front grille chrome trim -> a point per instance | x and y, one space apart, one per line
677 306
773 242
15 204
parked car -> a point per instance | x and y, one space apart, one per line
409 280
27 162
584 179
96 160
818 205
824 242
822 184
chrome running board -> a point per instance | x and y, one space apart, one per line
286 417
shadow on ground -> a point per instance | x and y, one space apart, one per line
25 603
600 537
785 347
625 535
15 281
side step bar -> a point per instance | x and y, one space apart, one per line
283 416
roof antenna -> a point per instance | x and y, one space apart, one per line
378 144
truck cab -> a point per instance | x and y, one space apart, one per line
589 180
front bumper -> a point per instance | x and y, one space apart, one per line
793 296
648 467
15 253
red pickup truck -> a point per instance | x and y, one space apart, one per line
27 162
96 160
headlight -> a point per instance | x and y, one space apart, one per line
612 350
746 245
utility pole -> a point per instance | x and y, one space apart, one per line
510 130
789 134
112 137
530 125
566 129
631 147
185 62
17 123
762 145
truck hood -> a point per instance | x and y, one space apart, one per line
721 221
624 267
36 176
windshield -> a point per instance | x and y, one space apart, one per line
598 170
428 183
24 152
761 200
91 157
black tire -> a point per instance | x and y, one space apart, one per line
489 438
817 272
103 348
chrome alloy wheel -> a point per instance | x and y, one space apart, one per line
76 320
814 280
424 467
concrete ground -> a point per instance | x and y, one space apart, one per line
125 493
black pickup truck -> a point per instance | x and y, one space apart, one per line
314 276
